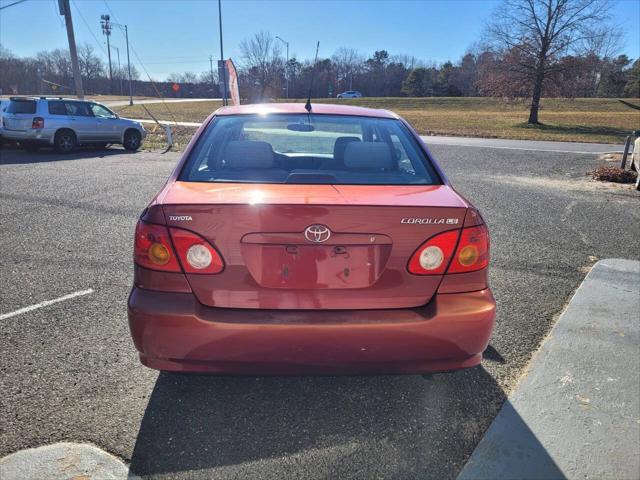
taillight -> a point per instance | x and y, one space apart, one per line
471 246
38 122
473 250
153 248
434 255
196 254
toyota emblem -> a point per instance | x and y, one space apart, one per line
317 233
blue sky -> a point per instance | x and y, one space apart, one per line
179 35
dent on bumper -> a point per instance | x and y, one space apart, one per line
173 331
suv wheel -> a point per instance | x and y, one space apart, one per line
65 141
132 140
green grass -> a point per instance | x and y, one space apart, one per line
599 120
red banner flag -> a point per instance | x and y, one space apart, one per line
233 82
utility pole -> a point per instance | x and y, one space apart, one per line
65 9
106 30
286 67
224 76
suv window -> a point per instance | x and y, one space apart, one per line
22 106
79 109
308 149
57 108
100 111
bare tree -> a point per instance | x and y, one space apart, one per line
347 62
91 67
537 33
262 61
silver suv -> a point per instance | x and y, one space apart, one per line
65 123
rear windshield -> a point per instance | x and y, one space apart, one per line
310 149
22 106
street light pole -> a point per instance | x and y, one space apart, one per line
126 37
126 34
286 67
212 79
224 74
119 69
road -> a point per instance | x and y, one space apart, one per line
525 145
69 370
122 103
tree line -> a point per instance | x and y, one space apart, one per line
477 73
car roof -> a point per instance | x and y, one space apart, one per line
298 108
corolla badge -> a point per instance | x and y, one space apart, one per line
431 221
317 233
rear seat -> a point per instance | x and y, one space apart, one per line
250 156
368 156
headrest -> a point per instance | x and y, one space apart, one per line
248 154
340 146
368 156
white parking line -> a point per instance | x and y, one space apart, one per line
46 303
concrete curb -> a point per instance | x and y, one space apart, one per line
576 413
63 461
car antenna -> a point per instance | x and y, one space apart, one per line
313 74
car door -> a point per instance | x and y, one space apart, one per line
108 128
82 121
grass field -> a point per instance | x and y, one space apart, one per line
576 120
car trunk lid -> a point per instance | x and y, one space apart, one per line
313 246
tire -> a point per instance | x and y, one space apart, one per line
132 140
65 141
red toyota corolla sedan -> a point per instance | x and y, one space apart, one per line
295 242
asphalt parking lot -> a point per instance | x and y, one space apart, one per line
69 371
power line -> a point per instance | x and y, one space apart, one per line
89 28
55 10
143 67
12 4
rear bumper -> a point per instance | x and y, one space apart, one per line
173 331
41 136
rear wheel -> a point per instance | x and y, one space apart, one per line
65 141
132 140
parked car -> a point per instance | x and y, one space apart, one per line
332 242
65 123
349 94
